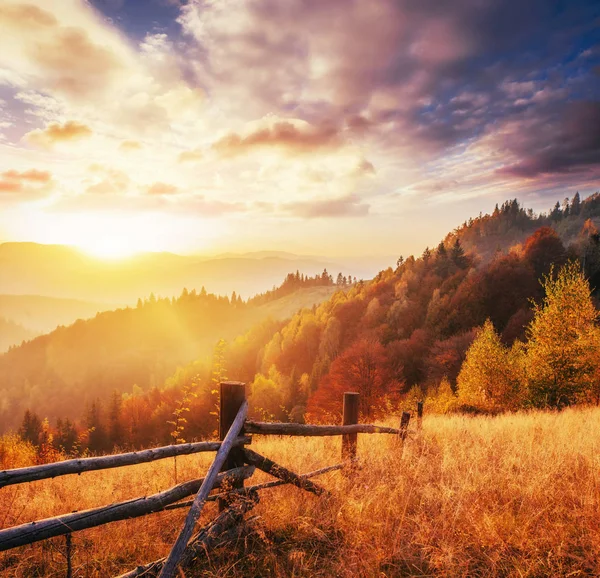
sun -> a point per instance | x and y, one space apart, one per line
109 248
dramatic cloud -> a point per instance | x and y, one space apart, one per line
568 143
283 135
56 133
279 118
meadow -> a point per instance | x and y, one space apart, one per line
511 495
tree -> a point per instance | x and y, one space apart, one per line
66 436
457 255
576 205
363 368
556 213
563 351
491 376
116 429
97 438
544 248
31 428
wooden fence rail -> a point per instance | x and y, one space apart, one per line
60 525
297 429
80 465
233 463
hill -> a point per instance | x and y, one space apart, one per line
12 333
42 314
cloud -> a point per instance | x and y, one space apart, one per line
162 189
27 184
346 206
130 145
108 181
66 49
10 186
567 141
56 133
32 175
283 135
190 156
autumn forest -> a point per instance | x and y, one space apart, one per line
500 315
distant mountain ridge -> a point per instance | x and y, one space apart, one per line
65 272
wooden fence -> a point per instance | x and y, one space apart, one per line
233 464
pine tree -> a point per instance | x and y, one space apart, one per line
457 255
97 439
31 428
576 205
116 429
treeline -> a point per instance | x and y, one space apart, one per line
509 224
295 281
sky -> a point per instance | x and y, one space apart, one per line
330 127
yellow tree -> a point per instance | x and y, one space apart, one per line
491 377
563 350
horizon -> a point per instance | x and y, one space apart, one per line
205 128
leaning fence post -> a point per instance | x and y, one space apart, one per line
419 415
232 396
404 420
350 417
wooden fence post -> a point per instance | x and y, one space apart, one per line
404 421
350 417
68 552
419 415
232 396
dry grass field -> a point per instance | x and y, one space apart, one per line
514 495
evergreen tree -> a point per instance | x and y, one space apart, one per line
576 205
116 429
31 428
97 438
457 255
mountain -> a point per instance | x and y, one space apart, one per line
41 314
12 333
64 272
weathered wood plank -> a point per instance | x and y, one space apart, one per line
182 540
296 429
256 488
77 466
59 525
212 536
270 467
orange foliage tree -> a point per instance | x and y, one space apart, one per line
363 368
